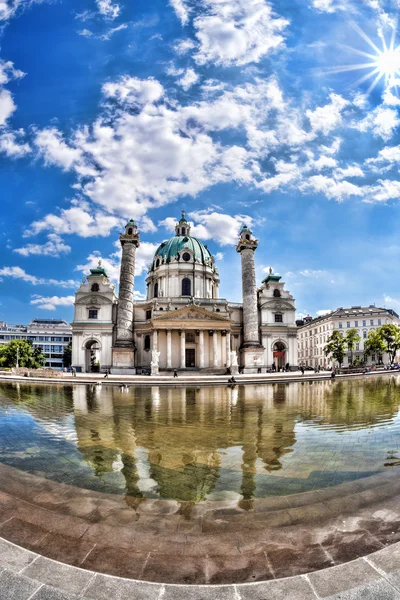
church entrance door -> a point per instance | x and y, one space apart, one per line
190 358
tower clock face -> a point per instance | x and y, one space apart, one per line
186 256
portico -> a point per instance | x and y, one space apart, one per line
190 338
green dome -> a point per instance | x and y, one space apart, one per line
176 245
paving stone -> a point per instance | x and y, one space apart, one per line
183 592
13 557
107 588
329 582
377 590
47 592
16 587
292 588
60 576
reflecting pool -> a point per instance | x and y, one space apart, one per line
195 444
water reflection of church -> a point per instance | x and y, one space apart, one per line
184 443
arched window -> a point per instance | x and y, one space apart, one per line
183 231
247 237
95 287
186 287
277 294
156 290
158 262
147 342
130 231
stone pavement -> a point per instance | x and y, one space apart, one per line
25 575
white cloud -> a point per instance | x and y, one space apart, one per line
54 150
8 8
19 273
78 221
190 78
107 35
144 256
221 228
237 32
184 46
11 146
323 312
325 5
147 225
350 171
53 247
382 122
387 189
131 90
9 72
52 302
219 256
108 8
7 106
326 118
389 155
337 190
181 10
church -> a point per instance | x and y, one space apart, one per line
183 324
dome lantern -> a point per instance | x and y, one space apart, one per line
182 227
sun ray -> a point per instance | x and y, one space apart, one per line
346 68
375 82
365 77
356 51
365 37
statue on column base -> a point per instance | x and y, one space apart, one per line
155 362
234 363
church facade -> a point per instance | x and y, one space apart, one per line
183 324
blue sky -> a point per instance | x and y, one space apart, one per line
237 111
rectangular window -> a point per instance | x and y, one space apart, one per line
93 313
379 322
364 335
357 346
190 337
278 318
148 314
340 325
373 357
371 322
348 324
364 323
355 323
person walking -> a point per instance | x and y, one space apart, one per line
175 373
302 370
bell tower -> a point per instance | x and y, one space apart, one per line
123 357
252 352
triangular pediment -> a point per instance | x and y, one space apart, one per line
278 304
191 313
94 299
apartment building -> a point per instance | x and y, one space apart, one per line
313 334
51 335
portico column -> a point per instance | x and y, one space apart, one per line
183 349
201 344
169 349
215 350
228 349
155 340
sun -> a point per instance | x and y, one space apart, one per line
384 63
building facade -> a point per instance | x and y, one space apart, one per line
50 335
313 334
183 323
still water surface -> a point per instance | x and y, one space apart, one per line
203 443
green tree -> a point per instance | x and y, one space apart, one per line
336 346
390 335
67 356
39 359
21 351
374 343
351 338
